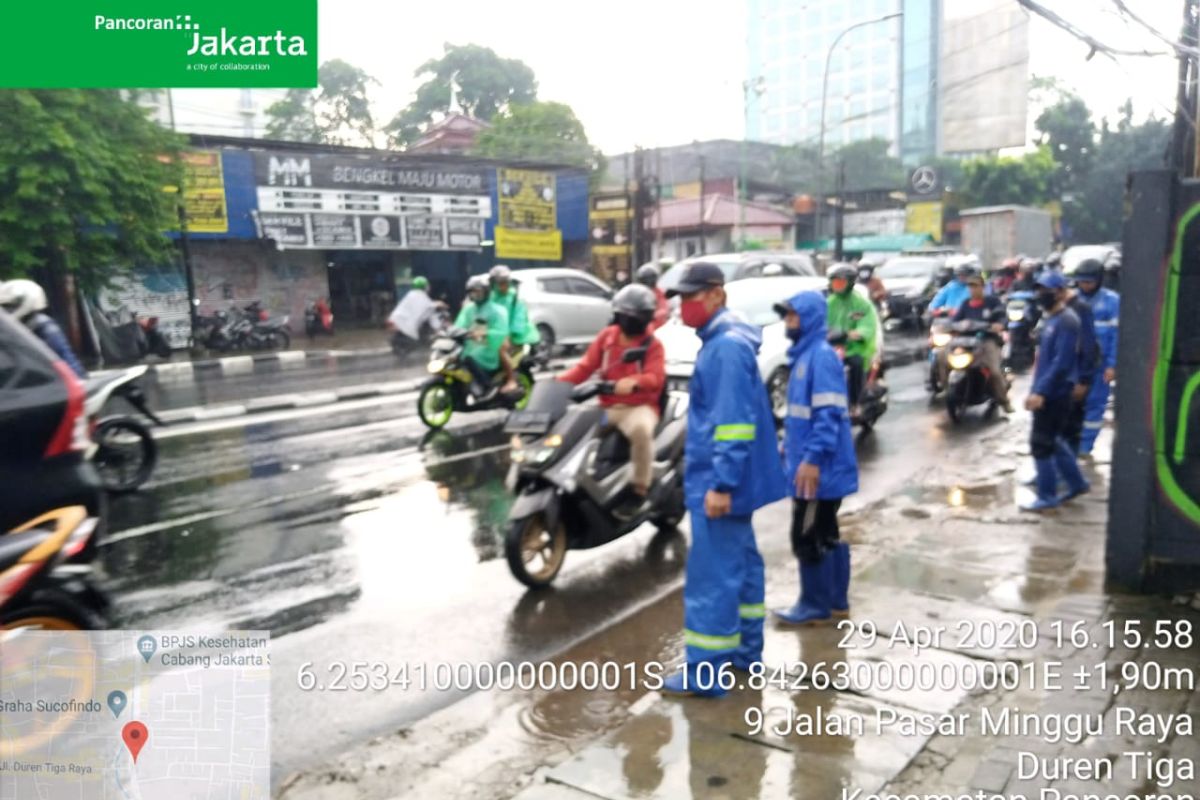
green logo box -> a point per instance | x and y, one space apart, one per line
159 44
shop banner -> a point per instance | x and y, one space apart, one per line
924 218
528 221
204 192
532 245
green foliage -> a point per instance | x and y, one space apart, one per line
868 166
538 131
1068 130
337 112
82 178
1095 211
484 86
1027 180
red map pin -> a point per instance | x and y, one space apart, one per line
135 736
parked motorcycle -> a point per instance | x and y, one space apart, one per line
152 340
570 470
1019 343
318 318
449 388
969 383
258 330
873 400
124 452
43 581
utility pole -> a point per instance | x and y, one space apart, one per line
639 210
658 193
758 85
703 231
184 246
839 220
1184 142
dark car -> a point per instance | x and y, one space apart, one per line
43 432
910 282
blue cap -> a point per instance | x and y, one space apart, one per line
1050 279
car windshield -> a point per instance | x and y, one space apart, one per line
908 268
755 299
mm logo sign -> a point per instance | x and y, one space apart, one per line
160 43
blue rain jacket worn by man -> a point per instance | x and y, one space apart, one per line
731 447
1057 367
46 329
950 296
1106 312
817 428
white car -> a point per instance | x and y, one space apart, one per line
569 307
754 300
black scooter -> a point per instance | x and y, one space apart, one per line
1019 342
873 400
570 472
969 383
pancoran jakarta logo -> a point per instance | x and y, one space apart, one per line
201 43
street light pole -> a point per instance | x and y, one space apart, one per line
821 133
758 85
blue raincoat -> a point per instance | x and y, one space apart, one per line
950 296
1106 312
817 427
731 444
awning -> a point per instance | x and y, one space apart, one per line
872 244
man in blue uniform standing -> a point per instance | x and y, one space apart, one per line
1089 362
820 461
1106 310
732 469
1054 379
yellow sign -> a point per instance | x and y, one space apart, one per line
527 200
610 249
924 218
204 192
533 245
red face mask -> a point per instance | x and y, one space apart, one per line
694 313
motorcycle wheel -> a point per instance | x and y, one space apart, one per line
279 340
125 454
953 407
525 381
670 518
435 405
52 612
534 554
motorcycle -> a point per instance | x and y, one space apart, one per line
570 471
318 318
436 325
873 399
969 383
258 330
44 578
123 451
449 388
1019 344
939 337
152 340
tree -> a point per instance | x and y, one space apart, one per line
1094 212
540 132
337 112
482 83
868 166
83 184
1027 180
1067 128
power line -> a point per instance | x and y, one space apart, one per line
1091 41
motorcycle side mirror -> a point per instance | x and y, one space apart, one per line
634 355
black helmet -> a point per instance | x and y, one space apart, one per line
647 275
1090 269
966 270
844 271
865 270
636 301
1053 260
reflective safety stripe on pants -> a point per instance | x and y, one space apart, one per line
724 592
1093 412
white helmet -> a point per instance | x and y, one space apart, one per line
22 298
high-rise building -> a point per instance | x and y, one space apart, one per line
218 112
936 77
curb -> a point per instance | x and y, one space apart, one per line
286 402
247 364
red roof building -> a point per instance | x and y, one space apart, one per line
453 135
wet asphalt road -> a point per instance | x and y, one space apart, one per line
353 535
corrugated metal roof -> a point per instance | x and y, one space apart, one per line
719 211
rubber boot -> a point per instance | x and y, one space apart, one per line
1068 467
839 601
1047 485
816 584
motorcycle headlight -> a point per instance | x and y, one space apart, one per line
960 360
940 339
1016 314
437 365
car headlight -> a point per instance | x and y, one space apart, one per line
437 365
940 339
961 360
1016 314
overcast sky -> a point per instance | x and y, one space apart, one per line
659 72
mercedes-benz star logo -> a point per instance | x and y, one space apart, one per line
924 179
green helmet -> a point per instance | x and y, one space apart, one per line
420 282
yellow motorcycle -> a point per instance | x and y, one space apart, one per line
449 388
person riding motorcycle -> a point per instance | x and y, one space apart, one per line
634 407
853 314
522 333
414 310
26 301
984 308
1106 312
868 278
1027 270
487 323
1004 277
952 295
648 275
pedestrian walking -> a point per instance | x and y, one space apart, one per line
1089 363
1054 379
732 469
820 461
1106 311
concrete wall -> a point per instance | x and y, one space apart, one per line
229 273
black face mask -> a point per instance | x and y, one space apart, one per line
793 333
1047 300
630 325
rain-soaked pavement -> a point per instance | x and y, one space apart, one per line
354 535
